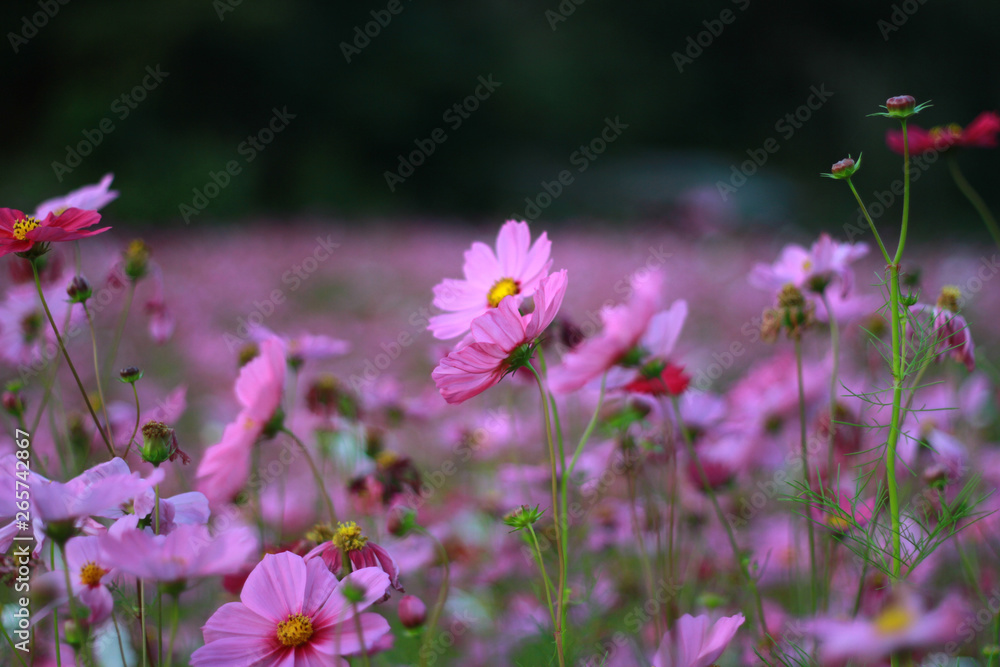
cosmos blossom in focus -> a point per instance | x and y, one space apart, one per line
515 269
503 340
23 233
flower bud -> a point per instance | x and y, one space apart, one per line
844 169
412 612
522 517
900 104
130 375
12 401
352 592
158 442
79 290
136 260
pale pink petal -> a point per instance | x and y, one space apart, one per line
276 587
234 619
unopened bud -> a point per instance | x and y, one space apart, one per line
136 260
158 442
900 103
130 375
412 612
79 290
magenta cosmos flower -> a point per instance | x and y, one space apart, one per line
226 465
696 642
624 326
813 269
516 269
22 233
503 340
89 198
294 614
361 551
948 330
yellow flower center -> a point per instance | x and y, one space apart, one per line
893 619
295 630
501 288
321 532
22 227
838 523
91 573
348 537
949 298
386 458
807 265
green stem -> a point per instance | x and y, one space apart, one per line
589 429
120 329
13 649
806 478
159 594
906 196
835 350
118 634
361 635
545 574
432 622
864 209
72 606
897 393
557 518
76 376
97 371
174 619
142 622
647 569
316 475
710 492
138 418
977 201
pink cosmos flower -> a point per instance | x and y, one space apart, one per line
903 624
189 552
96 492
21 233
811 270
88 198
25 334
361 551
624 326
653 373
980 133
89 575
516 269
226 465
500 338
696 642
304 347
294 614
949 330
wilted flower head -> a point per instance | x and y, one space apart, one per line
347 539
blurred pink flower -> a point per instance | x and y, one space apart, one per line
811 270
516 269
294 614
189 552
948 328
498 337
96 492
89 575
902 624
693 643
226 465
25 335
624 326
88 198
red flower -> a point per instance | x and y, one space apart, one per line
671 381
21 233
980 133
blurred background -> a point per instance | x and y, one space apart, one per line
223 110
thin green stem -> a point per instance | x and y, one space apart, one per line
977 201
13 649
557 517
897 393
69 362
97 371
142 622
120 329
432 622
72 606
806 478
118 635
710 492
637 530
832 429
906 196
316 475
174 620
138 418
159 594
545 574
864 209
590 428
